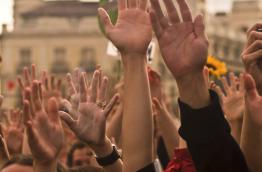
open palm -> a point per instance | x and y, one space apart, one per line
132 33
183 44
90 125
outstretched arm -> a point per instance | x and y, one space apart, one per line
132 35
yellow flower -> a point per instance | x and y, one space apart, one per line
216 67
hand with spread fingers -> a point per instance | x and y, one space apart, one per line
232 101
252 54
182 42
14 132
27 78
132 32
90 124
44 129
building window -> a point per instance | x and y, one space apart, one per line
60 64
24 60
87 60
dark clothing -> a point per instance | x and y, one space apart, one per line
210 143
149 168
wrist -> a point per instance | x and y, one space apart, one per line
103 149
133 58
193 90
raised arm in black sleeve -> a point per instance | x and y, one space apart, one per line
207 134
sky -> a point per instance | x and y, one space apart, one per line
6 9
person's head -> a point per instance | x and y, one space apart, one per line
81 154
23 163
18 164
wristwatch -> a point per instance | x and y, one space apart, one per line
109 159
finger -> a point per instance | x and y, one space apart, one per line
248 59
219 91
52 82
233 84
225 84
206 75
110 105
105 20
132 3
94 86
159 14
199 26
36 96
40 91
20 83
33 72
53 109
253 47
59 84
1 100
250 87
172 12
68 120
121 5
44 76
156 25
143 4
46 83
185 11
241 83
83 89
28 97
72 89
103 90
254 28
26 77
26 112
157 104
253 36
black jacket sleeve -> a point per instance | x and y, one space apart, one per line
210 143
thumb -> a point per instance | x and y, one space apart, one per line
68 120
250 87
199 26
105 19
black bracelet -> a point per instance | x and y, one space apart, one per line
109 159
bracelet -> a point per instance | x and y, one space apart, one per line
109 159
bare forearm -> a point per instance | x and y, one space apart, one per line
193 90
138 140
251 141
115 126
236 129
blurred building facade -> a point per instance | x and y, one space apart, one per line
55 35
227 31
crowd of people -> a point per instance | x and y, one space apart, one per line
137 130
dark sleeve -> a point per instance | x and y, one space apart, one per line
210 143
162 153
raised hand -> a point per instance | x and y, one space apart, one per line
44 129
252 54
51 87
232 101
253 101
183 43
14 132
132 31
91 122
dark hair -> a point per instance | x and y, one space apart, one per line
27 161
75 146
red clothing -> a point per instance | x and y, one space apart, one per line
182 162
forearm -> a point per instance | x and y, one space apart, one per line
115 126
251 141
137 118
193 90
170 136
105 150
236 129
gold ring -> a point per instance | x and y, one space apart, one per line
102 105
